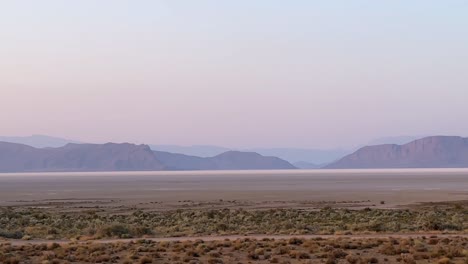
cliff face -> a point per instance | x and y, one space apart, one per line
429 152
78 157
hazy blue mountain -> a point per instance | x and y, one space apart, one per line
238 160
293 155
176 161
304 157
230 160
39 141
429 152
306 165
196 150
399 140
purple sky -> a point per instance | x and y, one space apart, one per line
234 73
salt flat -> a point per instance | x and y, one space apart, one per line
259 189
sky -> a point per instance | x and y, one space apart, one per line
263 73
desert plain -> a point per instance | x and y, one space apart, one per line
291 216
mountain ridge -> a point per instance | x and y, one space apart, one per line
292 155
123 157
39 141
77 157
229 160
428 152
304 157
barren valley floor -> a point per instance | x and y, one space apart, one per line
321 216
221 189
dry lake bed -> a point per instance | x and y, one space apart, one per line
231 189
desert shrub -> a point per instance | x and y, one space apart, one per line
352 259
253 256
11 234
274 260
145 260
215 261
259 251
303 255
114 230
282 250
140 231
408 259
444 261
296 241
338 253
388 249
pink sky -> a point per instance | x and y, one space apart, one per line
240 74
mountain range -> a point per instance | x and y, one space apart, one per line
203 151
77 157
39 141
428 152
123 157
301 156
230 160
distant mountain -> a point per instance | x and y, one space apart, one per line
196 150
399 140
306 165
230 160
249 161
123 157
301 157
78 157
176 161
39 141
291 155
429 152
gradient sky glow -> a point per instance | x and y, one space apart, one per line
263 73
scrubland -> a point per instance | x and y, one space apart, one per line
295 250
23 223
424 233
